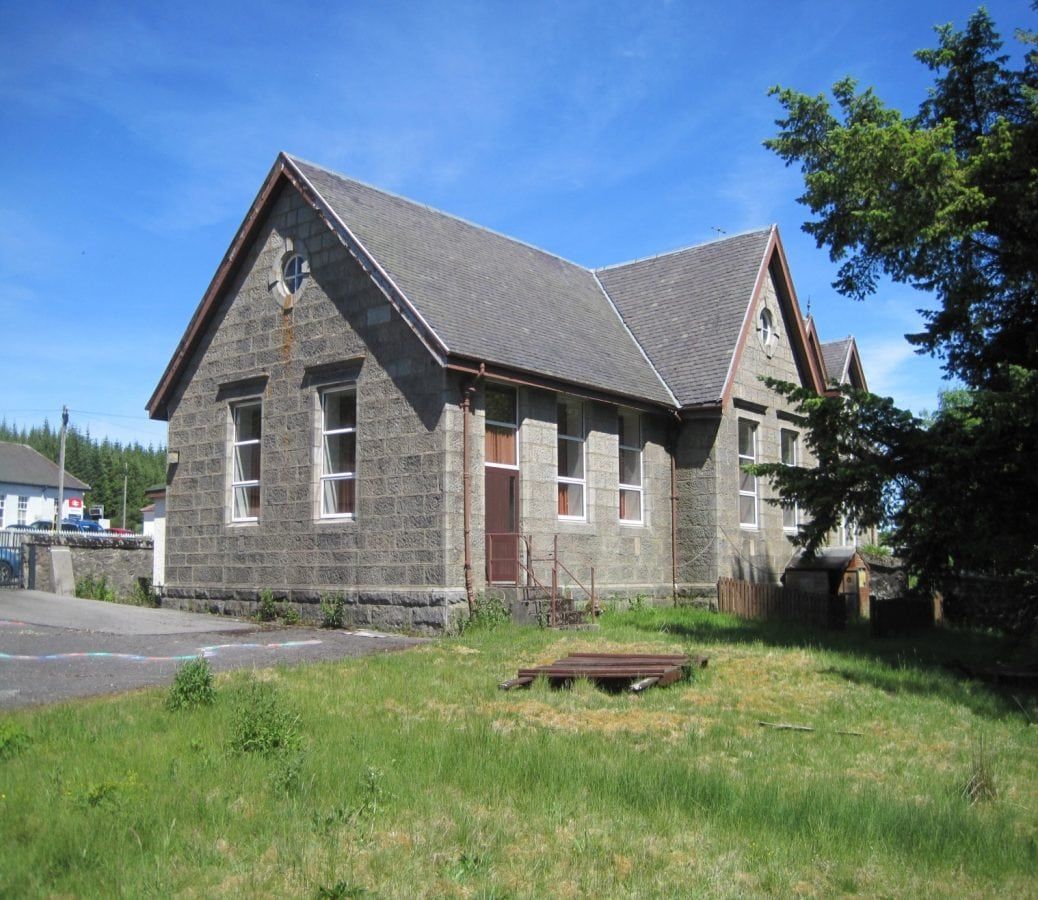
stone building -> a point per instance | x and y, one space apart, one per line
377 399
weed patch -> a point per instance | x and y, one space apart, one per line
261 720
192 685
489 612
13 740
268 608
93 587
333 611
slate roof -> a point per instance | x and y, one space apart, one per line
490 297
20 464
835 355
686 309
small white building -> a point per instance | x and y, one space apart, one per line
29 487
154 526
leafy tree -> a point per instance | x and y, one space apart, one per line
946 201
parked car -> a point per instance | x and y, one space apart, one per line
38 525
86 525
10 563
121 531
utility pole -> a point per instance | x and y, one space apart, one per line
126 476
61 467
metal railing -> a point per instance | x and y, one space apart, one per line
523 559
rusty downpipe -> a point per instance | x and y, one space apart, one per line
467 390
674 437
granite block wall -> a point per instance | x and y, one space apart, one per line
627 558
389 561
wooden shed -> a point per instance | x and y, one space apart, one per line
834 571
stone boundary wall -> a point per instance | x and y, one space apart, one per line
423 611
122 562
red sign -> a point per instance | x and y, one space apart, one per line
75 502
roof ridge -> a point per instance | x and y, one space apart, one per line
728 237
440 212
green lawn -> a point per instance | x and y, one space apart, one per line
411 774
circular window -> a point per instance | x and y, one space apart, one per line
293 273
767 330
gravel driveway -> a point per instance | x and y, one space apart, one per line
55 648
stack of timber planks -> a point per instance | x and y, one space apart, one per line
638 670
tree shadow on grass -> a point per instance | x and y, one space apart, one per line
933 663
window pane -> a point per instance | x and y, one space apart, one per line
247 462
571 458
789 517
246 502
340 453
500 445
630 430
747 482
631 505
338 497
571 418
247 422
340 410
746 431
630 467
500 404
748 510
571 500
789 448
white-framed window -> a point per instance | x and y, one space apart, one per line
571 480
630 466
23 510
790 457
339 452
501 427
294 272
766 331
748 498
247 424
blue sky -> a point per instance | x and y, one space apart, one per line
138 134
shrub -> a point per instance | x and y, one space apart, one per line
488 613
268 609
333 611
192 685
260 721
95 588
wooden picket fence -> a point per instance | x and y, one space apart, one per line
750 600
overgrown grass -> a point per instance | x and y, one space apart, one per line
412 775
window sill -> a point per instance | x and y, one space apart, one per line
332 520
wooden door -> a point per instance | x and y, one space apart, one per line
502 525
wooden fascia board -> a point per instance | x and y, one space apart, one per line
813 363
523 378
855 363
774 253
156 405
747 321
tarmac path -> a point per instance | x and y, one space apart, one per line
57 648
